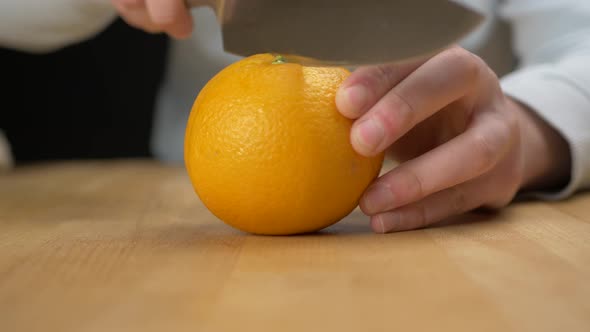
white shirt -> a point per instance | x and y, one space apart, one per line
550 38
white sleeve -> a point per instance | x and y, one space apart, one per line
47 25
552 41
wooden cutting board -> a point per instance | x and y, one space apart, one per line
127 246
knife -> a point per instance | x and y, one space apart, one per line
341 32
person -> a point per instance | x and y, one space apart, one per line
464 137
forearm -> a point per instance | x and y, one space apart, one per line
43 26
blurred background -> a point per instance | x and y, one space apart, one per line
124 93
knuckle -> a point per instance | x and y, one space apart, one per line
505 128
469 63
491 145
387 120
414 186
487 152
395 113
406 187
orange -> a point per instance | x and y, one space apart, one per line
267 151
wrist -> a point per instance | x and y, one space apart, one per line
546 155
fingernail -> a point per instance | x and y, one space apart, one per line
385 222
352 101
377 199
368 136
377 225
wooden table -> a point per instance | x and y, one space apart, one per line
127 246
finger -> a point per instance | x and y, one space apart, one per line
459 160
437 207
135 14
442 80
172 16
367 85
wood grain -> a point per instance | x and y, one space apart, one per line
127 246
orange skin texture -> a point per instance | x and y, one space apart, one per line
268 152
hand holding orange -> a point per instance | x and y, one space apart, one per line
268 152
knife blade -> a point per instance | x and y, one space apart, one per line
342 32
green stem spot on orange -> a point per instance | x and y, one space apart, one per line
279 59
